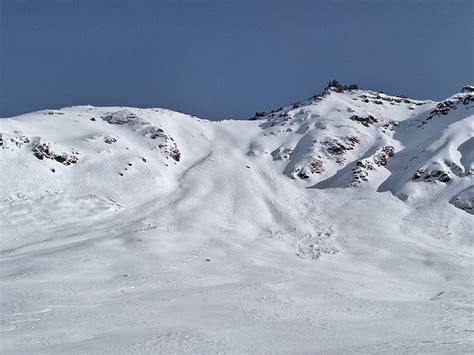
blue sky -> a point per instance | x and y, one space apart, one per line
227 58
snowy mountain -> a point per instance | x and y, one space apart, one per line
341 223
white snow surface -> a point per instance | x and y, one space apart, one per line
340 224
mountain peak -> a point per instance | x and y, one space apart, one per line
344 137
157 212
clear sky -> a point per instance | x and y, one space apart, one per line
227 58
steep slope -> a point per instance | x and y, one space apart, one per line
336 224
349 137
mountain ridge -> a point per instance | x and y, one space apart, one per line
317 139
335 225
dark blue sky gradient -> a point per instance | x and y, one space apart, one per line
227 58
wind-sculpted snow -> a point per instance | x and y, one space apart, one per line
337 224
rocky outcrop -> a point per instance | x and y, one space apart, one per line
431 175
362 169
365 121
315 166
381 159
110 140
43 151
465 98
334 85
120 117
13 141
360 172
166 145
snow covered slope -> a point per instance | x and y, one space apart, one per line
345 138
342 223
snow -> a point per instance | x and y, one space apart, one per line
174 234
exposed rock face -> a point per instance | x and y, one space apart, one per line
315 166
381 159
336 147
465 98
431 175
120 117
166 145
329 150
171 151
43 151
160 140
258 115
9 141
155 133
366 121
110 140
338 87
361 172
380 98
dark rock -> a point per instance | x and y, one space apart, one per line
175 153
417 175
120 117
431 176
381 159
61 158
258 115
155 133
333 84
468 99
336 86
336 149
360 171
353 139
315 167
43 150
38 155
366 121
